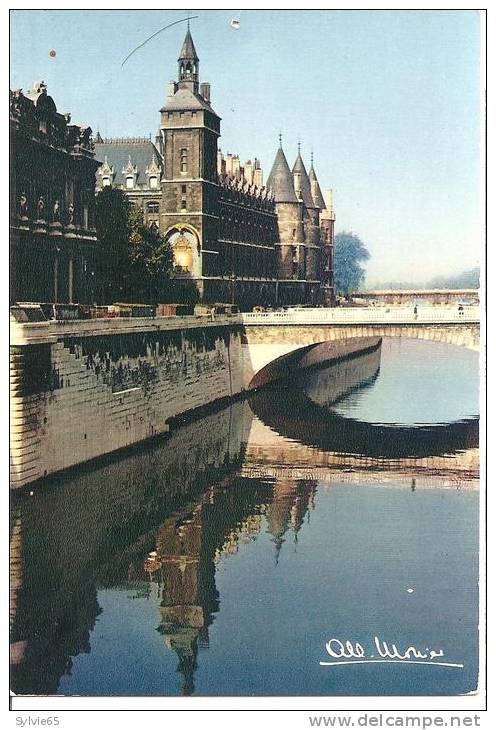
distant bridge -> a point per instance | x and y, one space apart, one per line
272 338
432 296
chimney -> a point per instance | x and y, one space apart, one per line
220 162
258 177
205 91
328 212
171 88
248 172
236 167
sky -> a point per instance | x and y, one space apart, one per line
389 102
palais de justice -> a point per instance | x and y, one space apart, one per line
235 237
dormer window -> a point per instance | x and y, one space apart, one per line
130 173
107 173
153 173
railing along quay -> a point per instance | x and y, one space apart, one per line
356 315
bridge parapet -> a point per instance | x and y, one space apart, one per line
366 315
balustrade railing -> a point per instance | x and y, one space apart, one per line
355 315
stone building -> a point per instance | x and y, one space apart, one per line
136 167
232 236
53 241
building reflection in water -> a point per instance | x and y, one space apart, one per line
165 516
190 543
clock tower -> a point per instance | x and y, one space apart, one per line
189 130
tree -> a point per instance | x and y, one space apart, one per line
112 225
135 261
349 251
150 260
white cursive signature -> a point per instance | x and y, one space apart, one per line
352 652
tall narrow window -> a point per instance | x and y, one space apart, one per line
129 182
184 159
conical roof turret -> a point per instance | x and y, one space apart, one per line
280 180
317 196
306 191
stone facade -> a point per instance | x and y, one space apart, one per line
305 233
136 167
52 234
90 391
83 389
232 237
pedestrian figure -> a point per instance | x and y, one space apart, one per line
415 311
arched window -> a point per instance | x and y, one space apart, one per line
184 159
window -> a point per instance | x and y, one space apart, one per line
105 181
184 159
183 189
183 206
152 206
129 182
153 182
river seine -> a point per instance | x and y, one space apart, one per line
317 538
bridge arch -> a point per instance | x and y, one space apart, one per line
282 347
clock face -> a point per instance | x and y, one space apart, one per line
185 247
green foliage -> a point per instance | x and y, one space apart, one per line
112 225
181 291
150 261
349 251
135 261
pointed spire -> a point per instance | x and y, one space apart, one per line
280 180
299 167
188 50
315 188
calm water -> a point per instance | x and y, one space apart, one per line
221 561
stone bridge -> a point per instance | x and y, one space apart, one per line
278 337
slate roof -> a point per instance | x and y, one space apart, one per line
306 192
188 50
118 154
280 180
317 196
186 100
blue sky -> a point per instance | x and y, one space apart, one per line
388 100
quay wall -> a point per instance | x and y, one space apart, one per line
83 389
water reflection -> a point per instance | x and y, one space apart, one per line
191 566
